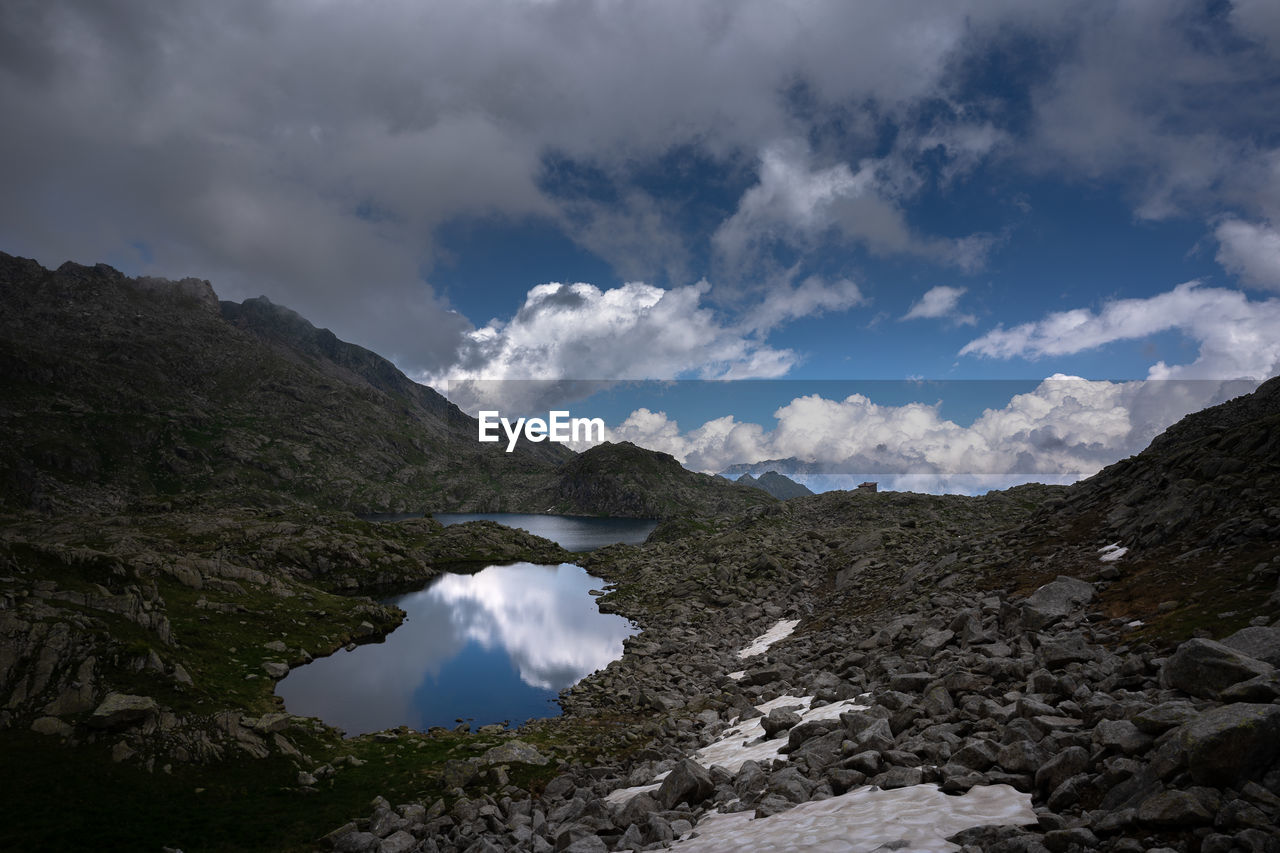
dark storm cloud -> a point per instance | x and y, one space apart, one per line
309 150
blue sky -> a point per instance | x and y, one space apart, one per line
567 190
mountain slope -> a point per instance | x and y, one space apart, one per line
125 394
623 479
137 392
782 488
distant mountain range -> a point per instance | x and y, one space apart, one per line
775 484
126 394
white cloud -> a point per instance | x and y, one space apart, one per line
572 339
636 331
1250 250
802 205
1066 428
812 296
938 302
1238 338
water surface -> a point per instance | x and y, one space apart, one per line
572 532
496 646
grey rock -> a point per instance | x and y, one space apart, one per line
877 736
1055 600
1121 736
688 782
899 777
1262 689
1173 809
1232 744
933 641
977 755
1260 643
399 841
51 726
1167 715
275 669
1021 756
514 752
778 720
1069 649
1070 762
1206 668
910 682
587 844
274 722
937 701
121 710
636 811
357 842
1061 840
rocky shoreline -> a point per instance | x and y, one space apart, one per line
1116 742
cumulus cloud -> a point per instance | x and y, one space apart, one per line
1250 250
566 332
941 302
1238 338
1065 429
570 340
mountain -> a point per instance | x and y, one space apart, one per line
623 479
127 394
776 484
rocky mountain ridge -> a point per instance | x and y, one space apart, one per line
781 487
128 394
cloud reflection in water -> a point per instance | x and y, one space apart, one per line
533 628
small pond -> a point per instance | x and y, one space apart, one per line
573 532
495 646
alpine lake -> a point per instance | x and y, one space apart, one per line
495 646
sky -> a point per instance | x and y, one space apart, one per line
960 203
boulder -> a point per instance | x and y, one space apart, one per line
1232 744
1070 762
1169 809
514 752
688 782
275 669
1205 668
121 710
1257 642
1055 600
779 720
52 726
1121 736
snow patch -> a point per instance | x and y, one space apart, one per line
779 631
917 818
739 675
1111 553
743 740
